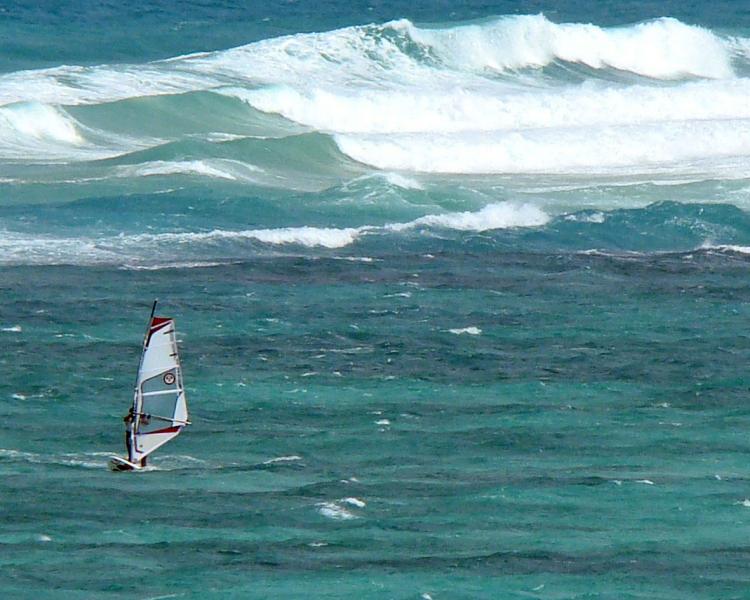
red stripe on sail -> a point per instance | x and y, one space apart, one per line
165 430
157 323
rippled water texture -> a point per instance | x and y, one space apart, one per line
461 291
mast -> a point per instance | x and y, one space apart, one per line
136 408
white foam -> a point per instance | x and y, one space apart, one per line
217 168
76 462
17 248
377 107
726 248
306 236
364 53
72 84
493 106
177 462
197 167
664 48
220 136
354 502
406 183
596 217
686 147
290 58
87 460
282 459
176 265
493 216
364 259
36 130
168 248
13 329
331 510
433 107
467 330
40 121
10 453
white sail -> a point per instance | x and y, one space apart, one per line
159 405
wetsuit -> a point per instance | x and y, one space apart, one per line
128 434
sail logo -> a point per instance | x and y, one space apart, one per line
169 378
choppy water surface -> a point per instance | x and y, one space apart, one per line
462 295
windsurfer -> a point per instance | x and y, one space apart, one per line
158 388
129 419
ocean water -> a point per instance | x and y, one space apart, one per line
461 289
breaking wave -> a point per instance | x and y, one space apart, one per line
513 94
662 49
443 110
399 51
707 148
695 229
17 248
28 128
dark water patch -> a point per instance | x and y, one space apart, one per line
661 227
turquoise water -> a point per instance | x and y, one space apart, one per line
461 294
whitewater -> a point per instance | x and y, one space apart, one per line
507 95
659 101
461 293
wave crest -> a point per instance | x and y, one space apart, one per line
475 89
662 49
395 52
141 250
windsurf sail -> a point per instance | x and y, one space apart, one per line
159 405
